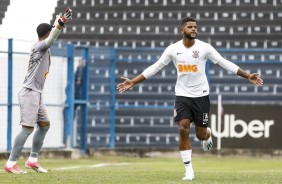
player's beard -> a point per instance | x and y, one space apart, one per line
190 36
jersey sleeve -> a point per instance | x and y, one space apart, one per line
157 66
52 36
216 58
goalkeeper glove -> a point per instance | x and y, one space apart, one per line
66 17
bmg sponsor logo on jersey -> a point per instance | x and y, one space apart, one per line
187 68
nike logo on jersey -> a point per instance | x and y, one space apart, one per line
177 53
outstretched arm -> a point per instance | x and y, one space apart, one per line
147 73
129 83
228 65
58 26
253 78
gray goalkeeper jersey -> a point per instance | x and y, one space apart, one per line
38 67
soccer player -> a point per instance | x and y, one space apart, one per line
192 104
32 108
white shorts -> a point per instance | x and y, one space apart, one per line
32 109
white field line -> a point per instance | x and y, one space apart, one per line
82 166
90 166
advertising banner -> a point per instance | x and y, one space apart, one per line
248 126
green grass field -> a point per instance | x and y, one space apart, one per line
208 169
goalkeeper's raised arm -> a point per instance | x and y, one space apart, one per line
59 24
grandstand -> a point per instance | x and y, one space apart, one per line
244 31
3 9
155 23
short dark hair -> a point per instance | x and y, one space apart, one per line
187 19
42 29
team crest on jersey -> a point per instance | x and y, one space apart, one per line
195 54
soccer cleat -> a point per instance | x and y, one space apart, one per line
207 144
189 176
15 169
35 166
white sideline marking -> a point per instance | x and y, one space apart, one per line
90 166
84 166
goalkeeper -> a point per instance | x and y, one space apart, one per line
32 108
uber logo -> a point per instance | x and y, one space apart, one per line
255 128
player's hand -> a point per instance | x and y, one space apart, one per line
255 79
67 15
127 84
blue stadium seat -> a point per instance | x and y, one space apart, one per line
268 89
278 89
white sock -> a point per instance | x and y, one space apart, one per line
187 160
32 159
10 163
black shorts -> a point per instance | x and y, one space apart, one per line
195 109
